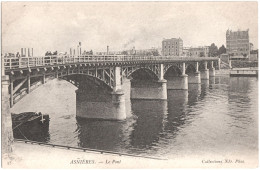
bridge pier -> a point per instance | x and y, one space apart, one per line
96 102
212 80
7 132
43 79
178 82
100 105
195 78
11 93
126 87
204 72
212 70
150 89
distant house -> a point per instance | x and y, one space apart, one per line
199 51
237 43
172 47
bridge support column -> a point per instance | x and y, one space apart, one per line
117 79
195 78
152 90
7 133
126 87
43 79
204 74
163 83
28 83
11 93
56 74
219 64
98 103
178 82
212 70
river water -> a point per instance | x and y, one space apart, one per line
218 117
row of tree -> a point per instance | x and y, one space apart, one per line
50 53
56 53
147 53
215 51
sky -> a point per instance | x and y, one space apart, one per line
51 26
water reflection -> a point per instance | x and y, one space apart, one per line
104 135
194 93
177 104
204 88
149 124
212 81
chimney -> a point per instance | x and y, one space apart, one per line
25 52
32 52
29 52
107 49
74 52
70 51
21 52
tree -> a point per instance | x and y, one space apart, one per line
245 55
148 53
222 50
55 53
155 53
124 52
48 53
213 50
202 54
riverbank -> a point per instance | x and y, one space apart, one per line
222 72
35 156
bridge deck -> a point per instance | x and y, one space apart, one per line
32 62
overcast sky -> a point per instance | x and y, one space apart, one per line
121 25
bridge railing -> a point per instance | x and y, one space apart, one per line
26 62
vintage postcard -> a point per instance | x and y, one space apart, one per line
129 84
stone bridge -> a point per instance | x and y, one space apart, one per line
103 80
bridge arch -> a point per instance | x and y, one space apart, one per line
142 74
172 71
190 69
82 79
37 81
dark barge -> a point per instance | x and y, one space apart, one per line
31 126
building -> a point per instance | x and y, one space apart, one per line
251 46
199 51
186 51
172 47
237 43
